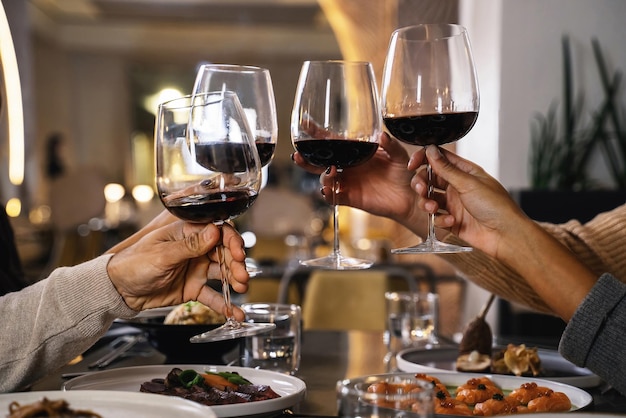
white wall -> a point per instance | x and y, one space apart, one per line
529 55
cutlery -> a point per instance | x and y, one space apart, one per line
120 346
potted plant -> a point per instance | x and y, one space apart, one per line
561 185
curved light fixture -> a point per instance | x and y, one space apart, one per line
15 113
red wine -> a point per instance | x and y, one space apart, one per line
212 207
266 152
434 129
342 153
229 157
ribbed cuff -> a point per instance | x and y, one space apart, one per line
87 296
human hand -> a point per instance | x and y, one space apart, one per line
162 219
477 207
171 265
381 186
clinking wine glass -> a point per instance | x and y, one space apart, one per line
336 121
208 170
253 86
429 97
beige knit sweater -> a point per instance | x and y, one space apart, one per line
49 323
600 244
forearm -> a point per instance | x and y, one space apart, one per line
546 265
64 315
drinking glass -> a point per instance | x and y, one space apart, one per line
208 170
336 121
253 86
279 349
429 97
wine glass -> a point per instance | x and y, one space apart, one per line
208 170
253 86
429 97
336 122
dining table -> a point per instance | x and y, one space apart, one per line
327 357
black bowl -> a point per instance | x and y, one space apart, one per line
173 340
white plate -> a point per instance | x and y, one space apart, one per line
114 404
129 379
578 397
444 359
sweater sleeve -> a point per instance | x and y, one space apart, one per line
599 244
596 335
51 322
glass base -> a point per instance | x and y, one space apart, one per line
232 330
338 262
432 247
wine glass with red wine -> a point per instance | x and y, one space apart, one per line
336 122
208 170
253 86
429 97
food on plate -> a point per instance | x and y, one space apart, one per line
474 362
481 396
499 405
475 346
477 390
209 388
47 408
518 360
193 313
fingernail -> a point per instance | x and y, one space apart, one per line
328 170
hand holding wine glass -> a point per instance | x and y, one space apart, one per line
430 97
336 122
208 170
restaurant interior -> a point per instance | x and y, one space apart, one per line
92 72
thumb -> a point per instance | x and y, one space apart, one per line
450 167
193 240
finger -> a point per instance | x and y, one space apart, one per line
301 162
394 148
452 168
215 301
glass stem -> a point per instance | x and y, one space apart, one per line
336 252
230 318
431 216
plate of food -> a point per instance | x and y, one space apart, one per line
102 404
178 380
459 393
552 366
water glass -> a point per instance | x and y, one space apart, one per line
411 320
385 396
277 350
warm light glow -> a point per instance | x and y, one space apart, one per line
151 103
249 239
15 114
143 193
114 192
13 207
40 215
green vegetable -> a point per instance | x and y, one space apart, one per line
190 378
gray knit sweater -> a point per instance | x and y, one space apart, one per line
595 337
46 325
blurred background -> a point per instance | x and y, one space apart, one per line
92 71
